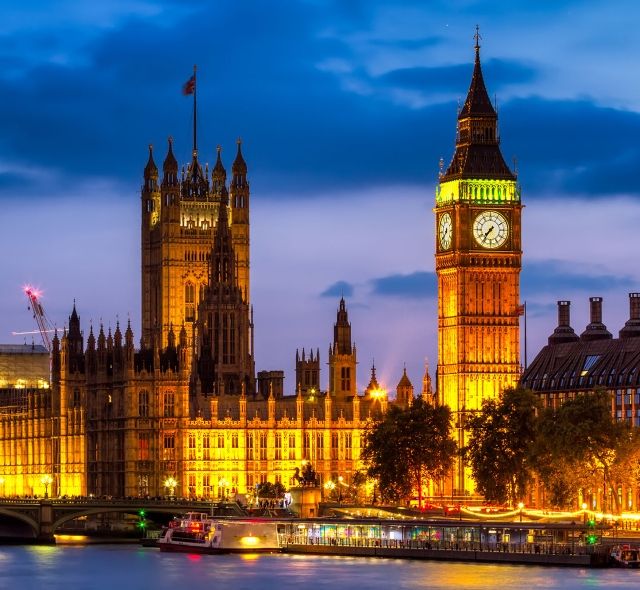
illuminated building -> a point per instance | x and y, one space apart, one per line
183 414
478 261
571 364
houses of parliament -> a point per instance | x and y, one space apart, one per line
185 406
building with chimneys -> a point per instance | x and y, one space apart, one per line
571 364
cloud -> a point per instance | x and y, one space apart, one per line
339 289
456 78
557 277
416 285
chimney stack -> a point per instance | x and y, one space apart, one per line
596 330
631 328
564 332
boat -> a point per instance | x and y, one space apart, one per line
625 556
198 532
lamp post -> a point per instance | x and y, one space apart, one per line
584 513
340 484
330 486
520 507
223 484
171 483
46 480
2 485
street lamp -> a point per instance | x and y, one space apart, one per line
224 484
172 484
330 486
340 484
520 507
584 512
46 480
2 485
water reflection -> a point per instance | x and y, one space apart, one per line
122 567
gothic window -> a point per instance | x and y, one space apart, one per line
263 446
206 447
75 400
347 445
334 445
143 404
250 447
206 486
144 440
278 444
234 440
201 293
292 447
345 375
169 447
319 446
189 302
168 404
192 447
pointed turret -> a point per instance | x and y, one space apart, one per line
373 389
170 167
239 169
150 173
404 390
218 175
342 331
195 184
427 389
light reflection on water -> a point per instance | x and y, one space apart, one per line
120 567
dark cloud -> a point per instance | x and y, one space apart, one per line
339 289
572 146
560 281
456 78
416 285
304 133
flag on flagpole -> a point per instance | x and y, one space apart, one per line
189 86
522 309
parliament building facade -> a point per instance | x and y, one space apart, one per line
183 412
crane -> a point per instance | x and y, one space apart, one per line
44 325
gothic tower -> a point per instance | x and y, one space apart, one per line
342 357
224 326
308 372
179 216
478 261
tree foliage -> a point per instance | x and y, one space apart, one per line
499 450
581 445
408 447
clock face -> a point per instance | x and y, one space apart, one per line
445 231
490 229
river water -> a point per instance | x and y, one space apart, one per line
129 567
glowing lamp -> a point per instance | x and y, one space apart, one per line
249 541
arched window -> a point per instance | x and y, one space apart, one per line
189 302
143 404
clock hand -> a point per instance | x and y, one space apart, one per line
486 235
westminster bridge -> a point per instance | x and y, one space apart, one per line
38 519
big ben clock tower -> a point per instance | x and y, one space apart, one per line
478 261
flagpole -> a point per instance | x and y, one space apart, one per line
525 334
195 112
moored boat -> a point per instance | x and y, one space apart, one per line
625 556
197 532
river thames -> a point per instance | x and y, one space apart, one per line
124 567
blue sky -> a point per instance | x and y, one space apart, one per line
345 109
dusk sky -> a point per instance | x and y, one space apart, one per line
345 109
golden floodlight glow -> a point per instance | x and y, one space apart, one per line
249 541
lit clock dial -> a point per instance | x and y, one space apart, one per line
490 229
445 231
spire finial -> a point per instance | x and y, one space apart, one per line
477 37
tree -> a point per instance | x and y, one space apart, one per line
499 449
408 447
267 489
580 444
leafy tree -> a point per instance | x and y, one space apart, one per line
580 444
408 447
499 449
270 490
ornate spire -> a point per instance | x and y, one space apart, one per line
150 172
219 174
170 167
239 168
342 331
477 152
